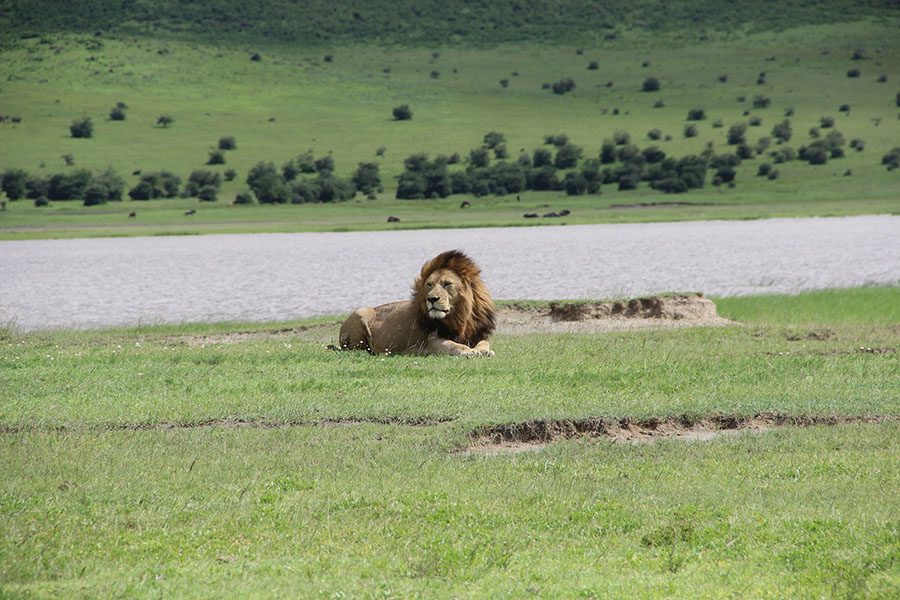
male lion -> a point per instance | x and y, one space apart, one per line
451 312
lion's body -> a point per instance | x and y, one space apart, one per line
451 312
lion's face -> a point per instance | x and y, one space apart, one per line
442 289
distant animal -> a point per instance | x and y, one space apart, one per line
530 215
450 313
564 213
132 214
465 204
190 212
551 215
393 219
518 198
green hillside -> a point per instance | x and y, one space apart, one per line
427 22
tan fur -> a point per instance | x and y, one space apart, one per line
451 312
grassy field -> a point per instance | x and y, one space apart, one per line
337 475
293 101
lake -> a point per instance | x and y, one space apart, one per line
91 283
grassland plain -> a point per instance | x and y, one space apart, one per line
112 488
294 100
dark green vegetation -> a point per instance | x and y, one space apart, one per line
721 119
109 490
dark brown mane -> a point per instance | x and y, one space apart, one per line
473 319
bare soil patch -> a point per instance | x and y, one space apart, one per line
682 310
537 434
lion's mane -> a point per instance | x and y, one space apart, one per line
473 318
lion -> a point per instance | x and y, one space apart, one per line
451 313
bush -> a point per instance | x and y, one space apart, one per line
659 104
116 114
494 139
435 74
229 175
41 201
542 178
255 57
334 189
105 187
199 179
853 73
857 144
651 84
243 198
744 152
165 120
814 132
541 157
324 165
782 131
216 157
593 65
82 128
558 139
621 138
567 156
156 185
690 131
844 108
755 122
607 152
629 154
763 170
815 154
13 183
575 184
773 175
654 134
696 114
736 134
563 86
722 78
760 101
725 174
402 113
653 155
267 184
208 193
762 145
460 183
424 178
227 143
68 186
826 122
892 158
367 179
302 163
479 157
783 154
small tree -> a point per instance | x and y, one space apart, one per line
567 156
13 182
690 131
367 179
494 139
402 113
696 114
651 84
227 143
82 128
760 101
165 120
736 134
593 65
117 114
229 175
216 157
563 86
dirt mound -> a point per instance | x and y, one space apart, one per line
535 435
683 310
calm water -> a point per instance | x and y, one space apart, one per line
126 281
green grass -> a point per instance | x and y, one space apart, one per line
344 108
338 505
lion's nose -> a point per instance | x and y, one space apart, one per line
432 299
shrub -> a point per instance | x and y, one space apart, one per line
744 152
575 184
696 114
402 113
116 114
105 187
68 159
165 120
621 138
857 144
68 186
844 108
718 124
853 73
567 156
435 74
651 84
607 152
722 78
542 178
659 104
782 131
783 154
479 157
493 139
690 131
814 132
41 201
366 179
267 184
558 139
653 155
36 186
504 83
882 78
563 86
773 175
760 101
736 134
814 154
629 153
423 178
227 143
789 111
216 157
541 157
324 165
255 57
763 169
826 122
762 145
229 175
334 189
208 193
199 179
460 183
380 151
13 183
500 152
82 128
892 158
593 65
755 122
302 163
243 198
628 182
725 174
654 134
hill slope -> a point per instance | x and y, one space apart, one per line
430 22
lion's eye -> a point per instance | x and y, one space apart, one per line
448 285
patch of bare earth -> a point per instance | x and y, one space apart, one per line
653 312
536 435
